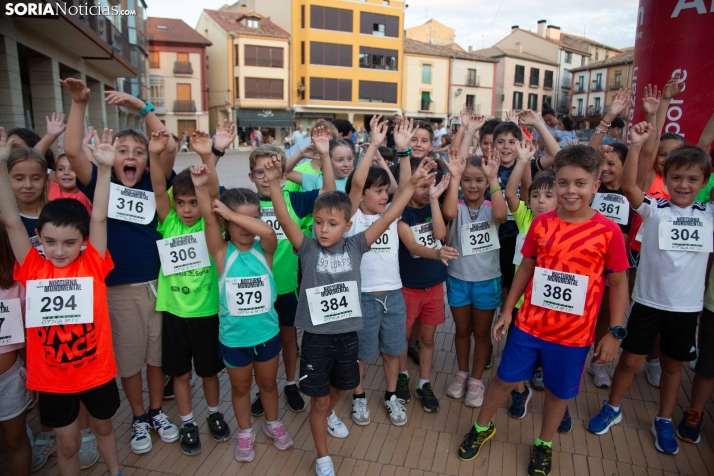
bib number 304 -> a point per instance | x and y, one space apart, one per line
559 291
685 234
53 302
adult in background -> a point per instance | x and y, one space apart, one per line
344 130
439 131
396 120
614 135
299 134
550 119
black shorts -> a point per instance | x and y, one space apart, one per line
328 359
186 338
676 329
505 254
61 409
705 362
286 307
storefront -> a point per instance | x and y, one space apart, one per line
275 123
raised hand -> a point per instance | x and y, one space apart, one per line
88 136
490 166
619 102
456 164
5 145
403 133
447 253
199 175
105 151
378 129
435 190
604 151
477 122
424 173
56 125
528 118
76 89
639 133
512 116
273 170
524 150
118 98
673 87
221 209
466 116
321 141
650 100
200 142
158 142
225 134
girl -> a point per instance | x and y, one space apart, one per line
342 159
474 281
565 132
27 169
248 331
65 185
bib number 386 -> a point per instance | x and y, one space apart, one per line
53 302
559 291
685 234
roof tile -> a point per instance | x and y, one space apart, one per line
446 51
231 21
176 31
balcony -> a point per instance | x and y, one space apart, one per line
471 81
534 84
563 104
183 67
594 112
577 113
596 87
566 81
615 85
184 107
579 88
159 104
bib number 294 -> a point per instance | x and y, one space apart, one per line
52 302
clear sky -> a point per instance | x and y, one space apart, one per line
481 23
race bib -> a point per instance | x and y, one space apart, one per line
518 256
249 296
183 253
685 234
424 235
479 237
614 206
388 242
54 302
559 291
268 216
12 330
333 302
132 205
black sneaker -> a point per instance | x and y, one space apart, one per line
428 400
489 362
413 351
256 408
541 458
566 424
295 401
471 446
190 442
402 392
169 388
219 428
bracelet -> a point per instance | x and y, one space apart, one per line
494 190
216 152
605 124
405 153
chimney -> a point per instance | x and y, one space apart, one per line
553 32
519 46
541 27
244 9
514 28
471 49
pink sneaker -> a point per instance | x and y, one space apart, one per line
244 450
474 396
276 431
457 387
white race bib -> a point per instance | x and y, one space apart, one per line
249 296
518 256
12 330
388 242
267 214
479 237
54 302
614 206
559 291
685 234
333 302
424 235
132 205
183 253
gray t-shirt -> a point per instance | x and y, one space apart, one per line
479 266
339 263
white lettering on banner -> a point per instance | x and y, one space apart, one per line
613 206
559 291
674 113
633 102
686 234
249 296
53 302
132 205
333 302
479 237
12 329
267 214
689 4
183 253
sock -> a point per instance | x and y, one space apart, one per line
249 430
141 419
324 459
212 410
332 415
471 379
660 418
481 428
154 411
271 422
616 408
538 441
187 418
86 432
422 382
355 396
388 395
404 372
464 374
292 382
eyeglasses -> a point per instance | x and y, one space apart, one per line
258 173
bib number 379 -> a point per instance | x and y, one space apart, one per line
685 234
53 302
248 296
559 291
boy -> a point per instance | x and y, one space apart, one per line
314 165
676 237
190 324
566 255
69 345
131 239
329 305
285 262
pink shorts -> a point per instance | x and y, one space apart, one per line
426 304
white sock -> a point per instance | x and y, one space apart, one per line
616 408
660 418
324 459
249 430
405 372
471 379
332 415
463 374
422 382
213 410
271 422
187 418
292 382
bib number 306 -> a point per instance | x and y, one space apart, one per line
559 291
685 234
52 302
183 253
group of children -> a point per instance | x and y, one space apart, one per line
127 264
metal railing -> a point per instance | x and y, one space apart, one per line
471 81
616 85
596 87
185 106
594 112
183 67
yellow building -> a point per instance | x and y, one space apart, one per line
432 32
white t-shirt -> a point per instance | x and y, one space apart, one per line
669 280
437 136
380 265
476 267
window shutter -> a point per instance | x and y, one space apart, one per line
317 88
251 88
317 53
276 57
317 17
345 90
331 56
365 23
345 55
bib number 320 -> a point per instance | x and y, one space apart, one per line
479 237
52 302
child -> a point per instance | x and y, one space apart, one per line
190 324
474 283
674 234
342 163
566 255
28 138
249 336
313 165
329 306
64 378
66 184
132 236
565 132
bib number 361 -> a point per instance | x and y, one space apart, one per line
685 234
53 302
559 291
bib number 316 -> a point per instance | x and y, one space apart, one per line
132 205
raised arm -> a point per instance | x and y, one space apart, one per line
530 118
75 129
214 237
707 137
359 176
201 144
19 239
456 166
55 128
437 219
225 135
268 240
498 203
639 133
322 146
444 254
645 170
474 125
619 103
514 181
158 181
275 175
393 186
306 152
403 134
512 116
103 155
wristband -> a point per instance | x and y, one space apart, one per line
147 109
405 153
216 152
605 124
494 190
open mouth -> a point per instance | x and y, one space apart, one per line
130 171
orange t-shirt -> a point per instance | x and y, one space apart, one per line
655 191
75 357
55 191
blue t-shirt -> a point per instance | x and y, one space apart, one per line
131 245
419 273
302 202
314 182
507 229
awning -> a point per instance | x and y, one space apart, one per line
426 97
265 118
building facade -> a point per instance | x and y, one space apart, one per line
432 32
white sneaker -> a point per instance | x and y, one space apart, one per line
335 427
397 412
600 376
324 467
88 452
360 412
140 438
653 371
163 426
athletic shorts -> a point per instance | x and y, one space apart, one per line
328 359
187 338
384 328
286 307
236 357
62 409
15 398
677 332
505 256
425 304
705 362
483 295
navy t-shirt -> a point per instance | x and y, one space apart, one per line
507 229
624 228
419 273
303 202
131 245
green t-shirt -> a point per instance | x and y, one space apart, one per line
285 261
190 293
523 217
703 195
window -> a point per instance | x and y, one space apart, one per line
327 18
426 73
533 102
581 84
520 74
618 77
252 23
183 92
583 61
470 102
330 89
517 100
547 101
188 126
378 29
182 57
580 107
263 56
302 52
158 94
375 91
471 78
535 77
378 58
597 54
330 54
377 24
568 57
154 61
302 16
236 56
262 88
598 82
425 100
548 80
236 87
597 106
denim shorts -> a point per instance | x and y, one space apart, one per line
483 295
384 325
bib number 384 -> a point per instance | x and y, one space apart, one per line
12 330
248 296
54 302
183 253
685 234
559 291
333 302
132 205
479 237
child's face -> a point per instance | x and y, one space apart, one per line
239 235
329 225
66 177
28 179
473 183
486 143
665 147
683 184
258 177
575 188
561 126
187 209
611 169
374 200
342 160
18 142
506 147
543 201
61 244
420 197
421 144
131 161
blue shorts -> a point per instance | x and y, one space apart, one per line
483 295
236 357
562 365
384 325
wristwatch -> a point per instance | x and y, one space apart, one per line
216 152
618 331
147 109
405 153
